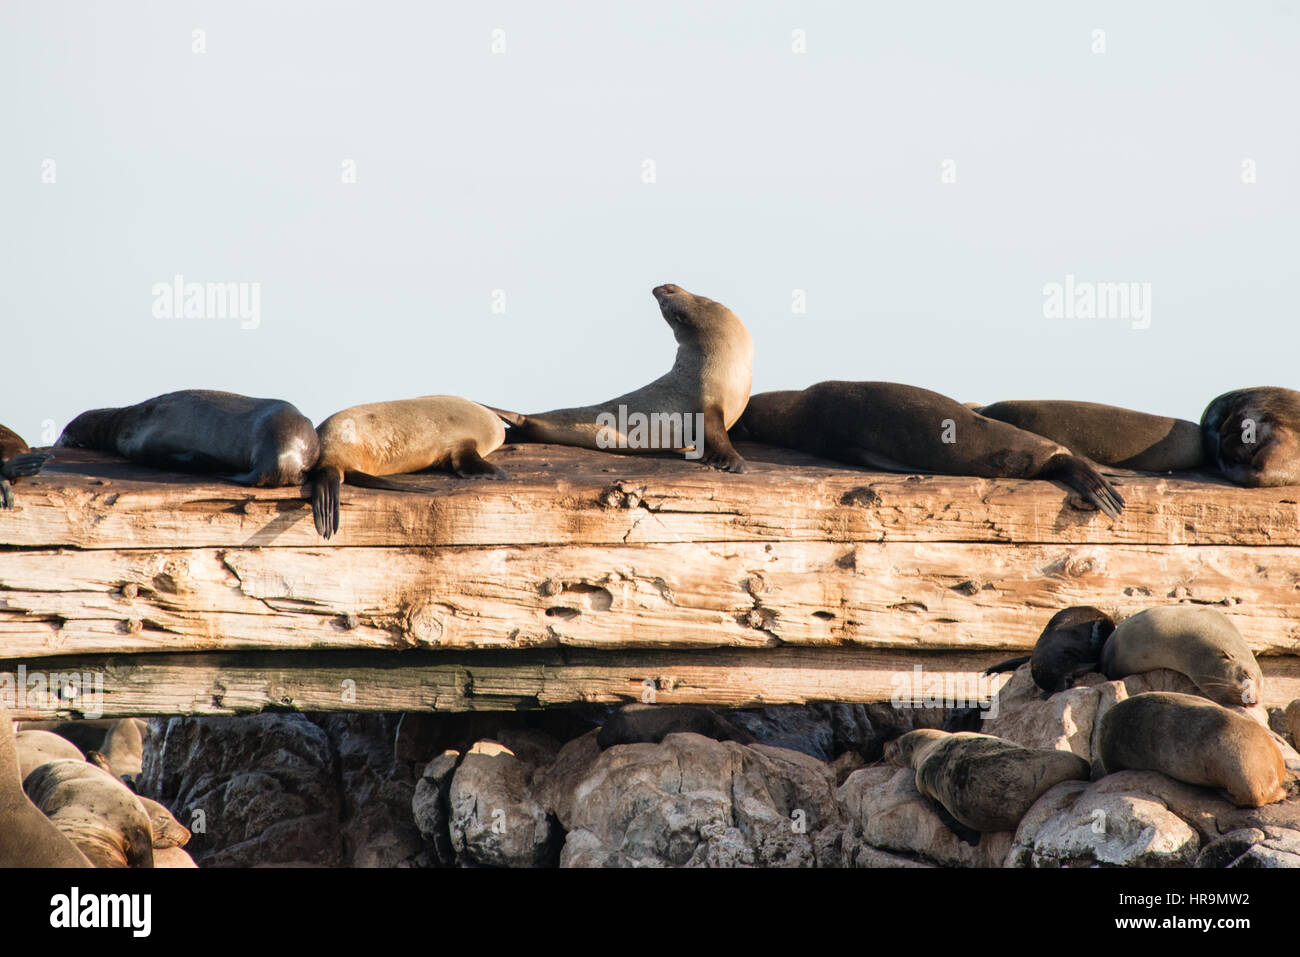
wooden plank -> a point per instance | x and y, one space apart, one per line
560 496
900 595
487 681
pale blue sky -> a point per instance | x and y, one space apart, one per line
522 171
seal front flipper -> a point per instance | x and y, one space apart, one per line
718 450
1084 478
6 494
967 835
325 500
25 465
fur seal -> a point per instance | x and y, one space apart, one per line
640 723
38 747
96 811
1194 741
1069 646
258 442
1292 717
1200 642
986 783
123 747
1107 434
392 438
903 428
17 462
1253 436
166 830
711 376
27 837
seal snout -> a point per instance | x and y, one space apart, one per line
667 289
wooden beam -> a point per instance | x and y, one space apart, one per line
214 684
563 496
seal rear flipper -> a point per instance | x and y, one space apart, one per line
325 500
1082 476
467 463
27 464
1011 664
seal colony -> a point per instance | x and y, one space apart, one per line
59 806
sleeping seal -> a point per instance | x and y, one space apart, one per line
1107 434
257 442
1199 642
1194 741
986 783
391 438
1253 436
1070 646
710 378
96 811
903 428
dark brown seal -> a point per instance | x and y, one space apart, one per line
1195 741
710 377
250 441
1107 434
17 462
1069 646
903 428
1253 436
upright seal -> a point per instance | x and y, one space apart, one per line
903 428
1194 741
710 378
17 462
1199 642
1253 436
1107 434
392 438
985 782
262 441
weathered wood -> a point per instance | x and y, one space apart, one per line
494 681
886 595
796 581
564 496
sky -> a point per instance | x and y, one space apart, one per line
477 199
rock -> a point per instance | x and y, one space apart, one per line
846 764
1126 819
494 819
431 808
885 811
690 801
254 790
376 826
1292 717
1252 847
